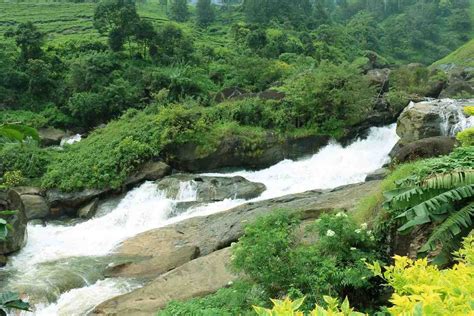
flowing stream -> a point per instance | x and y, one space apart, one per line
61 266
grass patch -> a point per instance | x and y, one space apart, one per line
369 207
463 56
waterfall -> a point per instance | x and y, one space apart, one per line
81 246
453 119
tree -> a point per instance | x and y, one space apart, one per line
205 13
29 39
179 10
118 19
144 35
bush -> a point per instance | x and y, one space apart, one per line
423 289
13 179
329 98
235 300
26 158
272 255
466 137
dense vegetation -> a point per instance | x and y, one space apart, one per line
313 57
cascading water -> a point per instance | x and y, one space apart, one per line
453 119
78 253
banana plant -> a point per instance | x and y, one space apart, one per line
4 225
11 300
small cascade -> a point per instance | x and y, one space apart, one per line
187 191
453 118
69 140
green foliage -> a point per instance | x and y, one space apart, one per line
291 308
329 97
4 228
461 57
27 158
441 195
234 300
466 137
272 255
28 118
423 289
12 179
17 133
29 39
9 301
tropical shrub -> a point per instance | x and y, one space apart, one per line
440 192
288 307
466 137
424 289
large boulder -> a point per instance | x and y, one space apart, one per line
150 171
196 278
68 202
34 204
423 148
379 78
234 151
431 118
203 235
51 136
210 189
17 235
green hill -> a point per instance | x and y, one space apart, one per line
463 56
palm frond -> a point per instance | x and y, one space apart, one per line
450 228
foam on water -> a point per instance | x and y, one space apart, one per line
146 207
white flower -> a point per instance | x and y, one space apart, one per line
363 225
341 214
353 248
330 233
357 231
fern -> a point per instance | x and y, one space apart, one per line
450 228
449 180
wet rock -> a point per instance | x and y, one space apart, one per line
216 231
431 118
68 202
378 174
3 261
150 262
233 151
34 204
150 171
229 93
196 278
51 136
423 148
210 189
88 210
